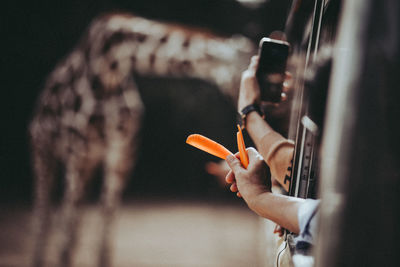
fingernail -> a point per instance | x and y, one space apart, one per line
229 157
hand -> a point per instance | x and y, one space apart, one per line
249 92
252 181
279 230
256 191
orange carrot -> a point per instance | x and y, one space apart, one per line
203 143
244 158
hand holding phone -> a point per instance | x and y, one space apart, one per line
270 73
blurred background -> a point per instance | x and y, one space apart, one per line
37 35
169 176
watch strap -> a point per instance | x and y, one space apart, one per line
246 110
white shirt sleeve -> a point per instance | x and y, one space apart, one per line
308 221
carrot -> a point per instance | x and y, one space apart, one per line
203 143
244 158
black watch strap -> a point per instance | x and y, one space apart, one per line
246 110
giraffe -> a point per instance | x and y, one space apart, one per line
89 113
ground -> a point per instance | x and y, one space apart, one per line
152 232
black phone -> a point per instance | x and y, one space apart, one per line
270 73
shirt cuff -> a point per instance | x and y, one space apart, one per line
307 217
271 142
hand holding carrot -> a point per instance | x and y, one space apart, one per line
203 143
252 181
206 144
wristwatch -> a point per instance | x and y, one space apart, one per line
247 110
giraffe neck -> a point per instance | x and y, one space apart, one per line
99 70
157 49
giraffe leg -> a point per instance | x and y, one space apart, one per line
120 158
116 172
44 168
78 172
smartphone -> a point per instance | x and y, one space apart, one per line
270 73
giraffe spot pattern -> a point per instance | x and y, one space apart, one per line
90 111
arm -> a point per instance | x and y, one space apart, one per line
278 208
276 150
283 210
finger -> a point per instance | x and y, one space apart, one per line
233 187
254 62
288 82
283 97
234 163
230 177
253 67
255 158
238 194
253 154
279 230
254 59
288 75
247 77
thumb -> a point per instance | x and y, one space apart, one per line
233 163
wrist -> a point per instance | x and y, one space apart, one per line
255 202
251 193
244 104
253 117
278 208
247 111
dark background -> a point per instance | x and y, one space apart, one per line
36 35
